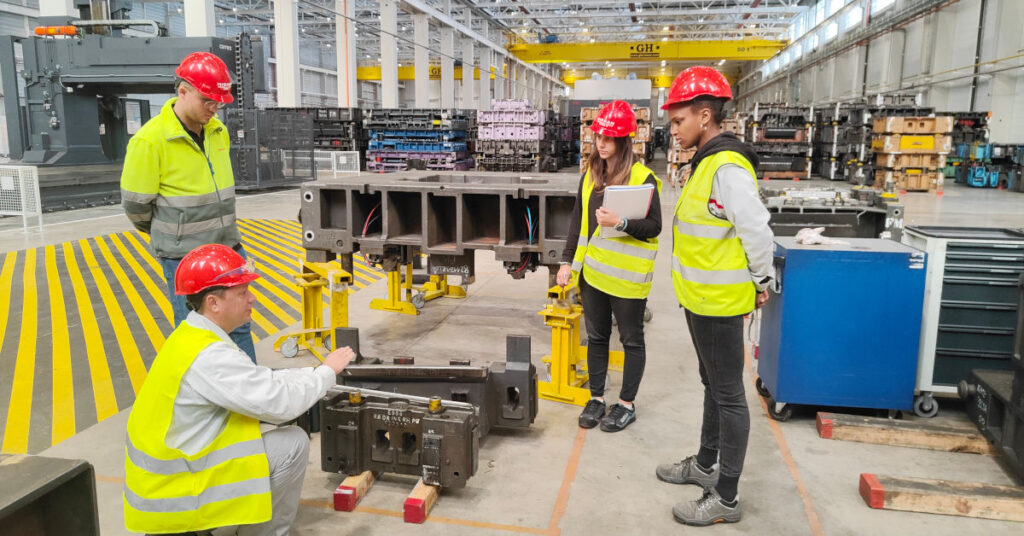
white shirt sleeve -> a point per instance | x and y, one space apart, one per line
226 377
736 191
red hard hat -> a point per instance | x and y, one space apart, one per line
208 74
616 119
212 265
696 81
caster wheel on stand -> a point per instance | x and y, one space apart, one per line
290 347
779 411
925 405
419 300
761 389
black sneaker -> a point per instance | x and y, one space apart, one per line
592 413
618 418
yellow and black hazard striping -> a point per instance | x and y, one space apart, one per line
82 321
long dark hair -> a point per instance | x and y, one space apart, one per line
615 170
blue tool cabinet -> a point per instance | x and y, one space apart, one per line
844 327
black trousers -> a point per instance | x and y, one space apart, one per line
629 312
726 426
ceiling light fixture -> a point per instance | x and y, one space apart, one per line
665 29
662 63
721 62
664 39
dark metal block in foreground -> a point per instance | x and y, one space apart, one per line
505 393
398 435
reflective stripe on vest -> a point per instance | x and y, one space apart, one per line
620 266
710 275
226 483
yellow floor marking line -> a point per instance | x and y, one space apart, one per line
264 283
19 413
156 337
255 235
62 423
262 322
6 276
265 253
102 386
157 289
144 253
129 350
273 308
294 241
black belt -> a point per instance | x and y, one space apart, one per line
237 247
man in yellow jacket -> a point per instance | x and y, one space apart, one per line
177 184
196 457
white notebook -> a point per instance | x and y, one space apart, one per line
630 202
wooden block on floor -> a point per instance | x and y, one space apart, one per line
968 499
420 501
352 490
914 434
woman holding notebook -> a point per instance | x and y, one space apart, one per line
612 258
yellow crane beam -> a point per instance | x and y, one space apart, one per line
409 73
739 49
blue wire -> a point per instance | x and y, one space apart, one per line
529 226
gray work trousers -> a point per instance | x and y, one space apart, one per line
288 453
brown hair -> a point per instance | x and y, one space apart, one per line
615 170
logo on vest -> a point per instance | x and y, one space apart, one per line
716 209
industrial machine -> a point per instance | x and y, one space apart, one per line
425 420
523 219
40 495
856 213
68 89
807 357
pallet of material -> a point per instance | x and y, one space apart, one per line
780 135
639 147
733 125
681 156
911 143
910 180
784 175
942 124
929 161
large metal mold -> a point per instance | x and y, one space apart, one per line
394 433
523 219
505 393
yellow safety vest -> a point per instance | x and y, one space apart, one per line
622 266
183 197
225 484
709 265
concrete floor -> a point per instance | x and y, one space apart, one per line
555 478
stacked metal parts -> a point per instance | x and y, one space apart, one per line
910 151
403 139
564 149
976 162
512 137
339 129
781 136
270 148
842 138
642 146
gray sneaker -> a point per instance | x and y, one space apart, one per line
687 472
707 510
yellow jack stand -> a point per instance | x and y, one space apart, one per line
437 287
314 336
396 286
567 362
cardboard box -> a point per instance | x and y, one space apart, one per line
643 113
588 114
643 132
903 161
586 135
911 143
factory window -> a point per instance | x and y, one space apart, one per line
819 13
796 50
834 6
831 30
814 42
853 17
879 5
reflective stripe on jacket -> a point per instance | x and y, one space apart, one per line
226 483
709 266
174 191
620 266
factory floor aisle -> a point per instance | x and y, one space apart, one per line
557 479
